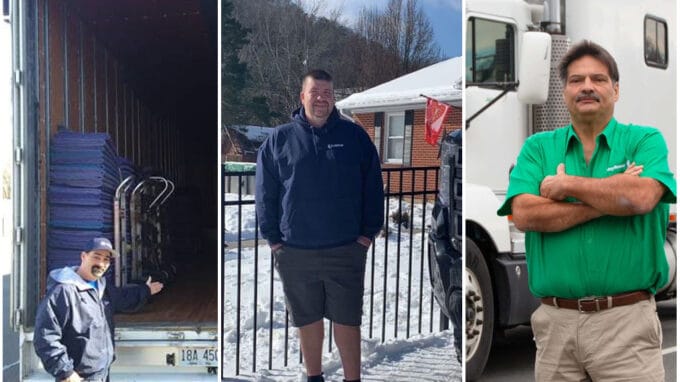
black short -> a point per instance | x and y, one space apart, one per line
321 283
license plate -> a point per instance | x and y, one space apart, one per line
195 356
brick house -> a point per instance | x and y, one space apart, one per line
240 143
393 114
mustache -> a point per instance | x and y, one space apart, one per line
591 96
97 269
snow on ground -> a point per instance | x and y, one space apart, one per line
419 358
231 219
388 357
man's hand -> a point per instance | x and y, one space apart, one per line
634 169
74 377
363 240
274 247
154 287
552 186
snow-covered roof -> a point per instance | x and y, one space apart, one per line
253 133
441 81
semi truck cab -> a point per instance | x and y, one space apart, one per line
512 91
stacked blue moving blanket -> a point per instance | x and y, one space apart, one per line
83 176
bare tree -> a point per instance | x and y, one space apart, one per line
404 30
286 38
282 44
418 48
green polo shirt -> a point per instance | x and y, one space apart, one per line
610 254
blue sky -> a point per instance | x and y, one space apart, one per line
444 15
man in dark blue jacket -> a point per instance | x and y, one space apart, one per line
74 324
319 202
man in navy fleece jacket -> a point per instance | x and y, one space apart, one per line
319 202
74 328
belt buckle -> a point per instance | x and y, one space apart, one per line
580 307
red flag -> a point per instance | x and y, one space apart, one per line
435 114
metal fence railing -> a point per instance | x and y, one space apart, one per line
398 301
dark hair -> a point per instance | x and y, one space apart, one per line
317 74
589 48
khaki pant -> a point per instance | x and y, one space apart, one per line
617 344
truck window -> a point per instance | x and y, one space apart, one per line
656 46
490 52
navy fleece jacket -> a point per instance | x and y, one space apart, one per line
318 187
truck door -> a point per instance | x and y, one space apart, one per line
18 170
498 132
10 359
10 334
25 155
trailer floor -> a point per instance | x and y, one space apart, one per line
191 299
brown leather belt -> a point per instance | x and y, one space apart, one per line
595 304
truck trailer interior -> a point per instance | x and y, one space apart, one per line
145 73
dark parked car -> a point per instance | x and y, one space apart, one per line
445 234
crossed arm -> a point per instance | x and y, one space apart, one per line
618 195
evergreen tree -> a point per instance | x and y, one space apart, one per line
237 106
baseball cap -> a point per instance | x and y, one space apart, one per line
101 243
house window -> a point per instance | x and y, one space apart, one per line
394 138
490 52
656 42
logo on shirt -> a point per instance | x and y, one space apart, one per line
618 166
335 145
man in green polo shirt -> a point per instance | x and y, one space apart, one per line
592 197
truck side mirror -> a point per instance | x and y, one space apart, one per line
534 70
